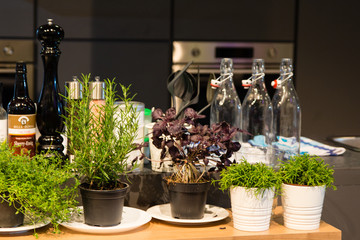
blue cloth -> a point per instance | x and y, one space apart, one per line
307 145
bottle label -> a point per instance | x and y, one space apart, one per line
22 130
3 130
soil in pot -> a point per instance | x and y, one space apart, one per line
187 200
103 208
8 216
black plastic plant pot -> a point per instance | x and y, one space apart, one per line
8 216
103 208
187 200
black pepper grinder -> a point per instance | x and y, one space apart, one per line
50 108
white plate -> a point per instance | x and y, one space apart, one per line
212 214
25 227
131 218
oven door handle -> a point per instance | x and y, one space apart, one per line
235 71
7 70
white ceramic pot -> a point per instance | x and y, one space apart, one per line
251 212
302 206
155 155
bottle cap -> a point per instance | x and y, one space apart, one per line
226 66
20 67
147 112
97 89
73 88
258 66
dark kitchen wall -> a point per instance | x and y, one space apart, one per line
327 67
131 40
128 40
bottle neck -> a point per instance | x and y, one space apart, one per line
286 80
21 88
227 81
258 80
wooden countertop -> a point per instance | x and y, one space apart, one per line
157 230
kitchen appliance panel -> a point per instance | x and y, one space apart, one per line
12 51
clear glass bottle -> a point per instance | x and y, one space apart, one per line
257 113
287 112
3 118
226 105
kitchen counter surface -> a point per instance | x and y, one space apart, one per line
221 230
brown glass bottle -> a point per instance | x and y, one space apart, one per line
22 115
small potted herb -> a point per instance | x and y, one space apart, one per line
191 145
252 189
37 188
101 140
305 179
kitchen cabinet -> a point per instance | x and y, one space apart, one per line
234 20
111 19
341 207
326 67
17 18
144 65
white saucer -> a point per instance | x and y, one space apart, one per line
28 225
212 214
131 218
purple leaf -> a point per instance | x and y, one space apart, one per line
170 114
157 114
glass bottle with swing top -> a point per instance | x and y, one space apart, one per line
226 105
287 112
257 110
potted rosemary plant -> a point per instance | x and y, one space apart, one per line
252 190
101 137
36 188
305 179
191 147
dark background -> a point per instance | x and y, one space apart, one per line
131 40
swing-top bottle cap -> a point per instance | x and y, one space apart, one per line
74 88
226 66
258 66
286 65
20 67
97 89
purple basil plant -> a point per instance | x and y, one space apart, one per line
188 142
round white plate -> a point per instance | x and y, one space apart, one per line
25 227
131 218
212 214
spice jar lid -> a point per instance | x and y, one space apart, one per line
74 88
97 89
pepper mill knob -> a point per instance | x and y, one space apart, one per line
50 35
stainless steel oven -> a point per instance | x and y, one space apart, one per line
206 57
12 51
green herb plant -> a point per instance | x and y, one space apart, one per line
247 175
101 138
307 170
39 185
